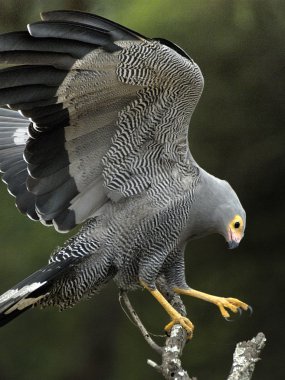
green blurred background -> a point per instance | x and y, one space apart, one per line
237 133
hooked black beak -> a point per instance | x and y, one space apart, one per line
233 244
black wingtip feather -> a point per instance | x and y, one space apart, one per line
52 121
14 171
59 60
49 205
25 202
31 105
43 110
29 75
117 31
73 31
29 93
65 221
49 165
23 41
46 184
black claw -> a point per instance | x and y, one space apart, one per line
240 310
235 316
250 310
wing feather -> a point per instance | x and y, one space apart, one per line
117 31
108 115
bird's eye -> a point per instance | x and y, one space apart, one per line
236 223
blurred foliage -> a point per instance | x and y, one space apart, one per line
237 133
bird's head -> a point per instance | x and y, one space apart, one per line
231 219
235 231
216 209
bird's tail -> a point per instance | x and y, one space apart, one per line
31 290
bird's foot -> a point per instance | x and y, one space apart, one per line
184 322
233 304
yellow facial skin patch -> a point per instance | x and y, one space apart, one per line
237 223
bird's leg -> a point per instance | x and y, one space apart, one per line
223 303
174 315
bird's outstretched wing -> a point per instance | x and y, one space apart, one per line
104 115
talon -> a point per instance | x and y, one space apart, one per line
184 322
235 305
232 319
250 310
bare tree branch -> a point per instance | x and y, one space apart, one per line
245 357
139 324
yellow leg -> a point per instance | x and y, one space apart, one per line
230 303
174 315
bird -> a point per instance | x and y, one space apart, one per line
94 124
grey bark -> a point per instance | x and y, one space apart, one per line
245 357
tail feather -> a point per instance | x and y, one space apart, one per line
28 292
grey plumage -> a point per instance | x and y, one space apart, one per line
106 144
